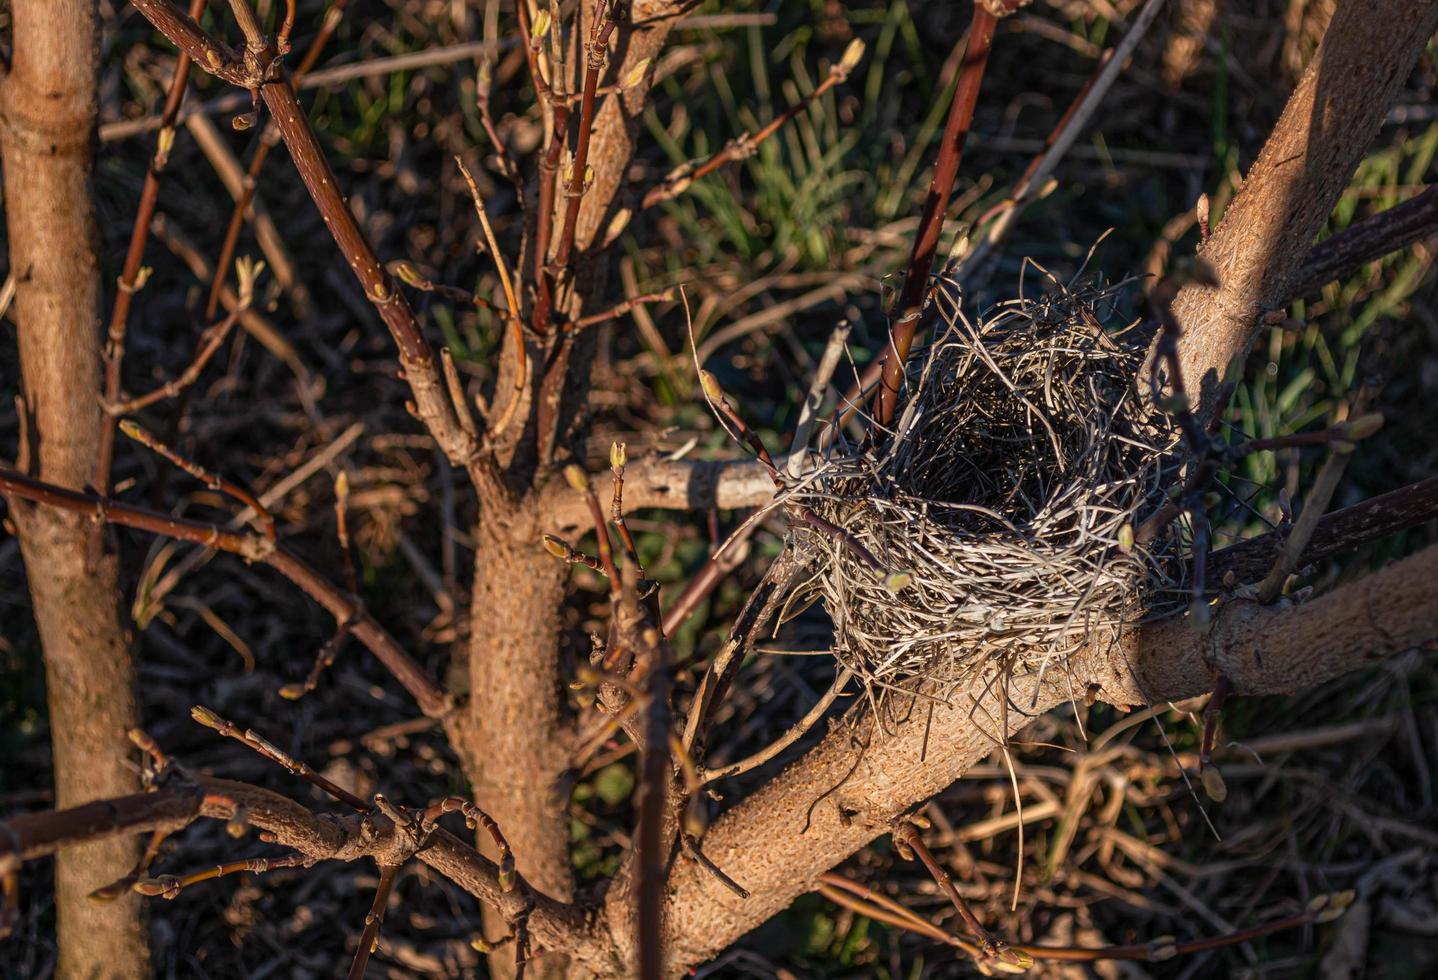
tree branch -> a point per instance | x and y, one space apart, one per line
1256 251
846 791
668 485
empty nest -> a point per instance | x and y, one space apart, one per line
992 529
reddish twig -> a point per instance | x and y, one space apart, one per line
256 742
616 506
268 141
678 180
564 551
132 274
991 949
579 480
208 345
169 886
369 936
904 318
595 51
214 336
656 775
508 875
213 481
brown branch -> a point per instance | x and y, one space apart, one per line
904 317
417 360
209 344
1258 249
1367 241
669 485
214 56
682 177
186 797
596 53
268 141
845 791
1338 532
257 743
212 481
130 282
252 547
369 937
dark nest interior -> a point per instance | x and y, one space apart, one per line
992 530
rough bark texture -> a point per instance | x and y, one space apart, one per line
846 791
519 731
49 106
642 35
1366 55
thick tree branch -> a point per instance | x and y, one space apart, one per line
667 484
1256 251
1368 240
187 797
846 791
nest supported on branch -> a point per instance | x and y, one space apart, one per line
990 531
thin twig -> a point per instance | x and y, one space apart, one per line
369 937
213 481
904 318
256 742
133 274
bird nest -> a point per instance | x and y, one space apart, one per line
992 530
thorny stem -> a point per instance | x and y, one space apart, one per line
369 937
904 319
213 481
130 280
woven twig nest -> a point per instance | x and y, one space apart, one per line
992 531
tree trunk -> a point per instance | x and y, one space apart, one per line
518 732
49 108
